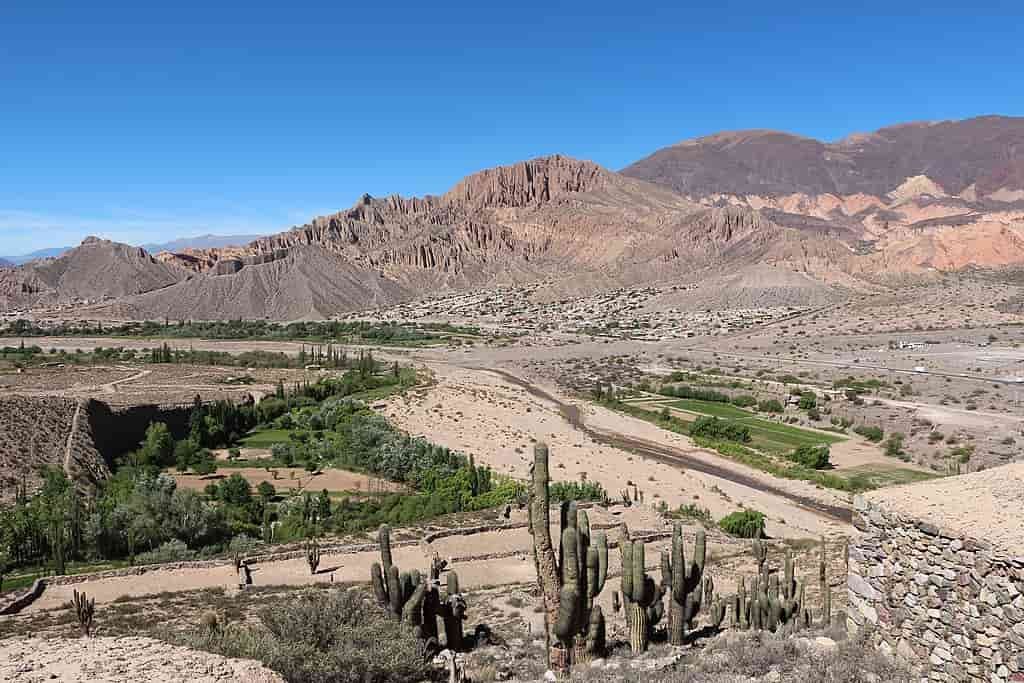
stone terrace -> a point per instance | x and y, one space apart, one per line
938 574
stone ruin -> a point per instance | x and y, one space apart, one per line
937 575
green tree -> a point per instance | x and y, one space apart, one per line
814 457
185 452
266 491
235 490
158 447
204 463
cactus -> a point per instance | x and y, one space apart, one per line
85 611
773 604
684 583
453 613
546 564
826 589
313 555
432 608
643 598
718 609
596 645
570 583
760 550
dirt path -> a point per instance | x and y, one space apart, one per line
675 457
71 440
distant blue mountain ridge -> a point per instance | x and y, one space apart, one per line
200 242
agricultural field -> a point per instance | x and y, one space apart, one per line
766 435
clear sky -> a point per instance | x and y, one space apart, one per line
142 124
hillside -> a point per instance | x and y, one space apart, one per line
552 218
50 431
982 157
946 195
800 215
95 270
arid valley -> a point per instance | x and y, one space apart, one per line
420 342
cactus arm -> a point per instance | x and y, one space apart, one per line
601 542
384 540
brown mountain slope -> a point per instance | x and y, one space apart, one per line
97 269
306 282
907 198
54 432
985 152
552 218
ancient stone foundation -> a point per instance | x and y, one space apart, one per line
937 578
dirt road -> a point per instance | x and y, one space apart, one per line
671 456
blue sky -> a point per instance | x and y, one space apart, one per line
142 123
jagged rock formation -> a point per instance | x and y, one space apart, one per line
903 200
552 217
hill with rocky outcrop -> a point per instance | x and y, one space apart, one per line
943 195
96 270
547 218
907 199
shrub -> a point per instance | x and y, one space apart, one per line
807 400
894 445
692 511
577 490
769 406
320 636
171 551
714 428
744 401
814 457
744 524
869 432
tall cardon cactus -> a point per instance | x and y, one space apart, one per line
570 582
684 583
641 595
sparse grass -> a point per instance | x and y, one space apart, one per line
883 475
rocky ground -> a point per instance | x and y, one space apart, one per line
115 660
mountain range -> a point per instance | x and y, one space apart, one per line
177 245
781 212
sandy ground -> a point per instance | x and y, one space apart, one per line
514 565
484 560
118 660
289 478
482 414
983 505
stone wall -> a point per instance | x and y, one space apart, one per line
949 603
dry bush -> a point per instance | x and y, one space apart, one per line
752 655
319 637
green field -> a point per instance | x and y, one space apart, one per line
766 435
882 475
264 438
